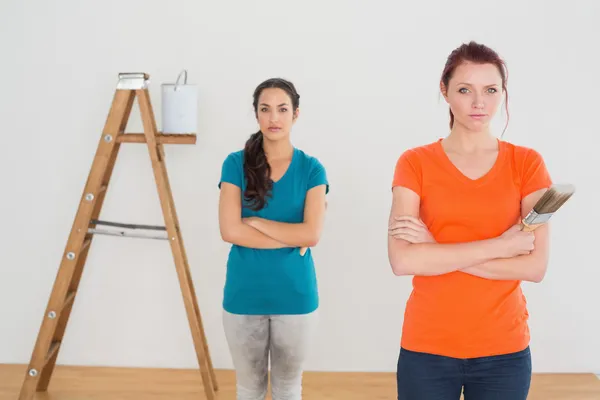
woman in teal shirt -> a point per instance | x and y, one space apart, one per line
271 208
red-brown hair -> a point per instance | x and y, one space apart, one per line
476 53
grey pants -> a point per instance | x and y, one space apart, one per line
253 338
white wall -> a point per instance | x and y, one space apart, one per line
368 76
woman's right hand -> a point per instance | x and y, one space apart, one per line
514 242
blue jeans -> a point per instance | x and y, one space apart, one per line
422 376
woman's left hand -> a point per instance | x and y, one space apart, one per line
411 229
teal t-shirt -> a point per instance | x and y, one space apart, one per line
273 281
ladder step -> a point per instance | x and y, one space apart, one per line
161 138
127 234
128 226
131 232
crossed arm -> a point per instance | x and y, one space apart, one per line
484 258
260 233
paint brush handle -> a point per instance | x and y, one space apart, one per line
529 227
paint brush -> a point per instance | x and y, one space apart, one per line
547 206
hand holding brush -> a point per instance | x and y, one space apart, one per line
547 206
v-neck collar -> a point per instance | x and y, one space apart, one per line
289 168
453 169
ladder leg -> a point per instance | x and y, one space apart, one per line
62 320
177 247
60 303
188 283
202 331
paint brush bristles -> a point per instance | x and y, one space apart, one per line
550 202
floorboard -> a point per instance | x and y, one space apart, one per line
107 383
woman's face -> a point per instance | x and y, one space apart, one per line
275 114
474 94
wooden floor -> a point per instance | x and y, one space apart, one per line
153 384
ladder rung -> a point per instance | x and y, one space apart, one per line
127 234
128 226
53 349
131 233
161 138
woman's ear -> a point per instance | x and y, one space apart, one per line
444 91
296 114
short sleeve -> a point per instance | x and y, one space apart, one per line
407 172
231 170
535 175
317 175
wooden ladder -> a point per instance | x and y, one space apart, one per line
85 227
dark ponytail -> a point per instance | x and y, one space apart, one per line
257 171
256 167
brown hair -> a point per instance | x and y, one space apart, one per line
256 167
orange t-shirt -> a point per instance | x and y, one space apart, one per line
457 314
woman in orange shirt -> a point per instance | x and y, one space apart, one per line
454 226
